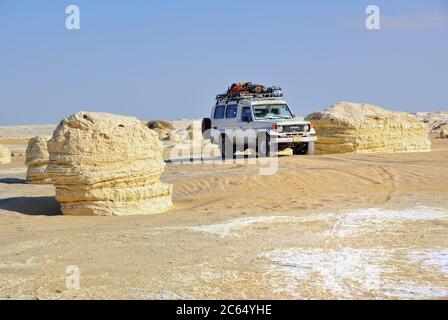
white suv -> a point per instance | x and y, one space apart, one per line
262 122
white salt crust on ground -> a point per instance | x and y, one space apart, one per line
352 272
348 272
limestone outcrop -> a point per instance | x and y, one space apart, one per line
444 132
363 128
434 120
5 155
162 127
37 160
185 141
107 165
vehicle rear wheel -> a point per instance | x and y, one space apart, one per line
226 147
206 126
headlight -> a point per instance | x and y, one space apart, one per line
306 128
279 129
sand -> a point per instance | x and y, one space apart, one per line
329 226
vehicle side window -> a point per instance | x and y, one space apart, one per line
231 111
246 114
219 112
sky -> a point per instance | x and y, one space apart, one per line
168 59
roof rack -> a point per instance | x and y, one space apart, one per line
245 95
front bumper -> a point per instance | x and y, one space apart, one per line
293 139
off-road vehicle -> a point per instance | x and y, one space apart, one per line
260 119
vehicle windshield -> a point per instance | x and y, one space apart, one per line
272 111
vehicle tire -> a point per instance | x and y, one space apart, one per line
206 127
263 145
226 147
299 149
310 149
304 149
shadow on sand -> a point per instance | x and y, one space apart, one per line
33 206
204 159
12 181
195 159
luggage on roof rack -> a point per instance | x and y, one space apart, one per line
246 87
249 90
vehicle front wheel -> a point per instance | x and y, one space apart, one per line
304 149
264 145
310 149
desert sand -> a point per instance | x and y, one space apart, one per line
325 226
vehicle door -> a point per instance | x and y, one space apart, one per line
218 117
231 120
246 121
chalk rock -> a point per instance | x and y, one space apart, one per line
5 155
37 160
363 128
18 152
444 132
433 120
179 136
162 127
107 165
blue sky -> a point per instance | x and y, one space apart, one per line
168 59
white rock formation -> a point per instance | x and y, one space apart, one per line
5 155
363 128
162 127
433 120
37 160
105 164
183 140
444 132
